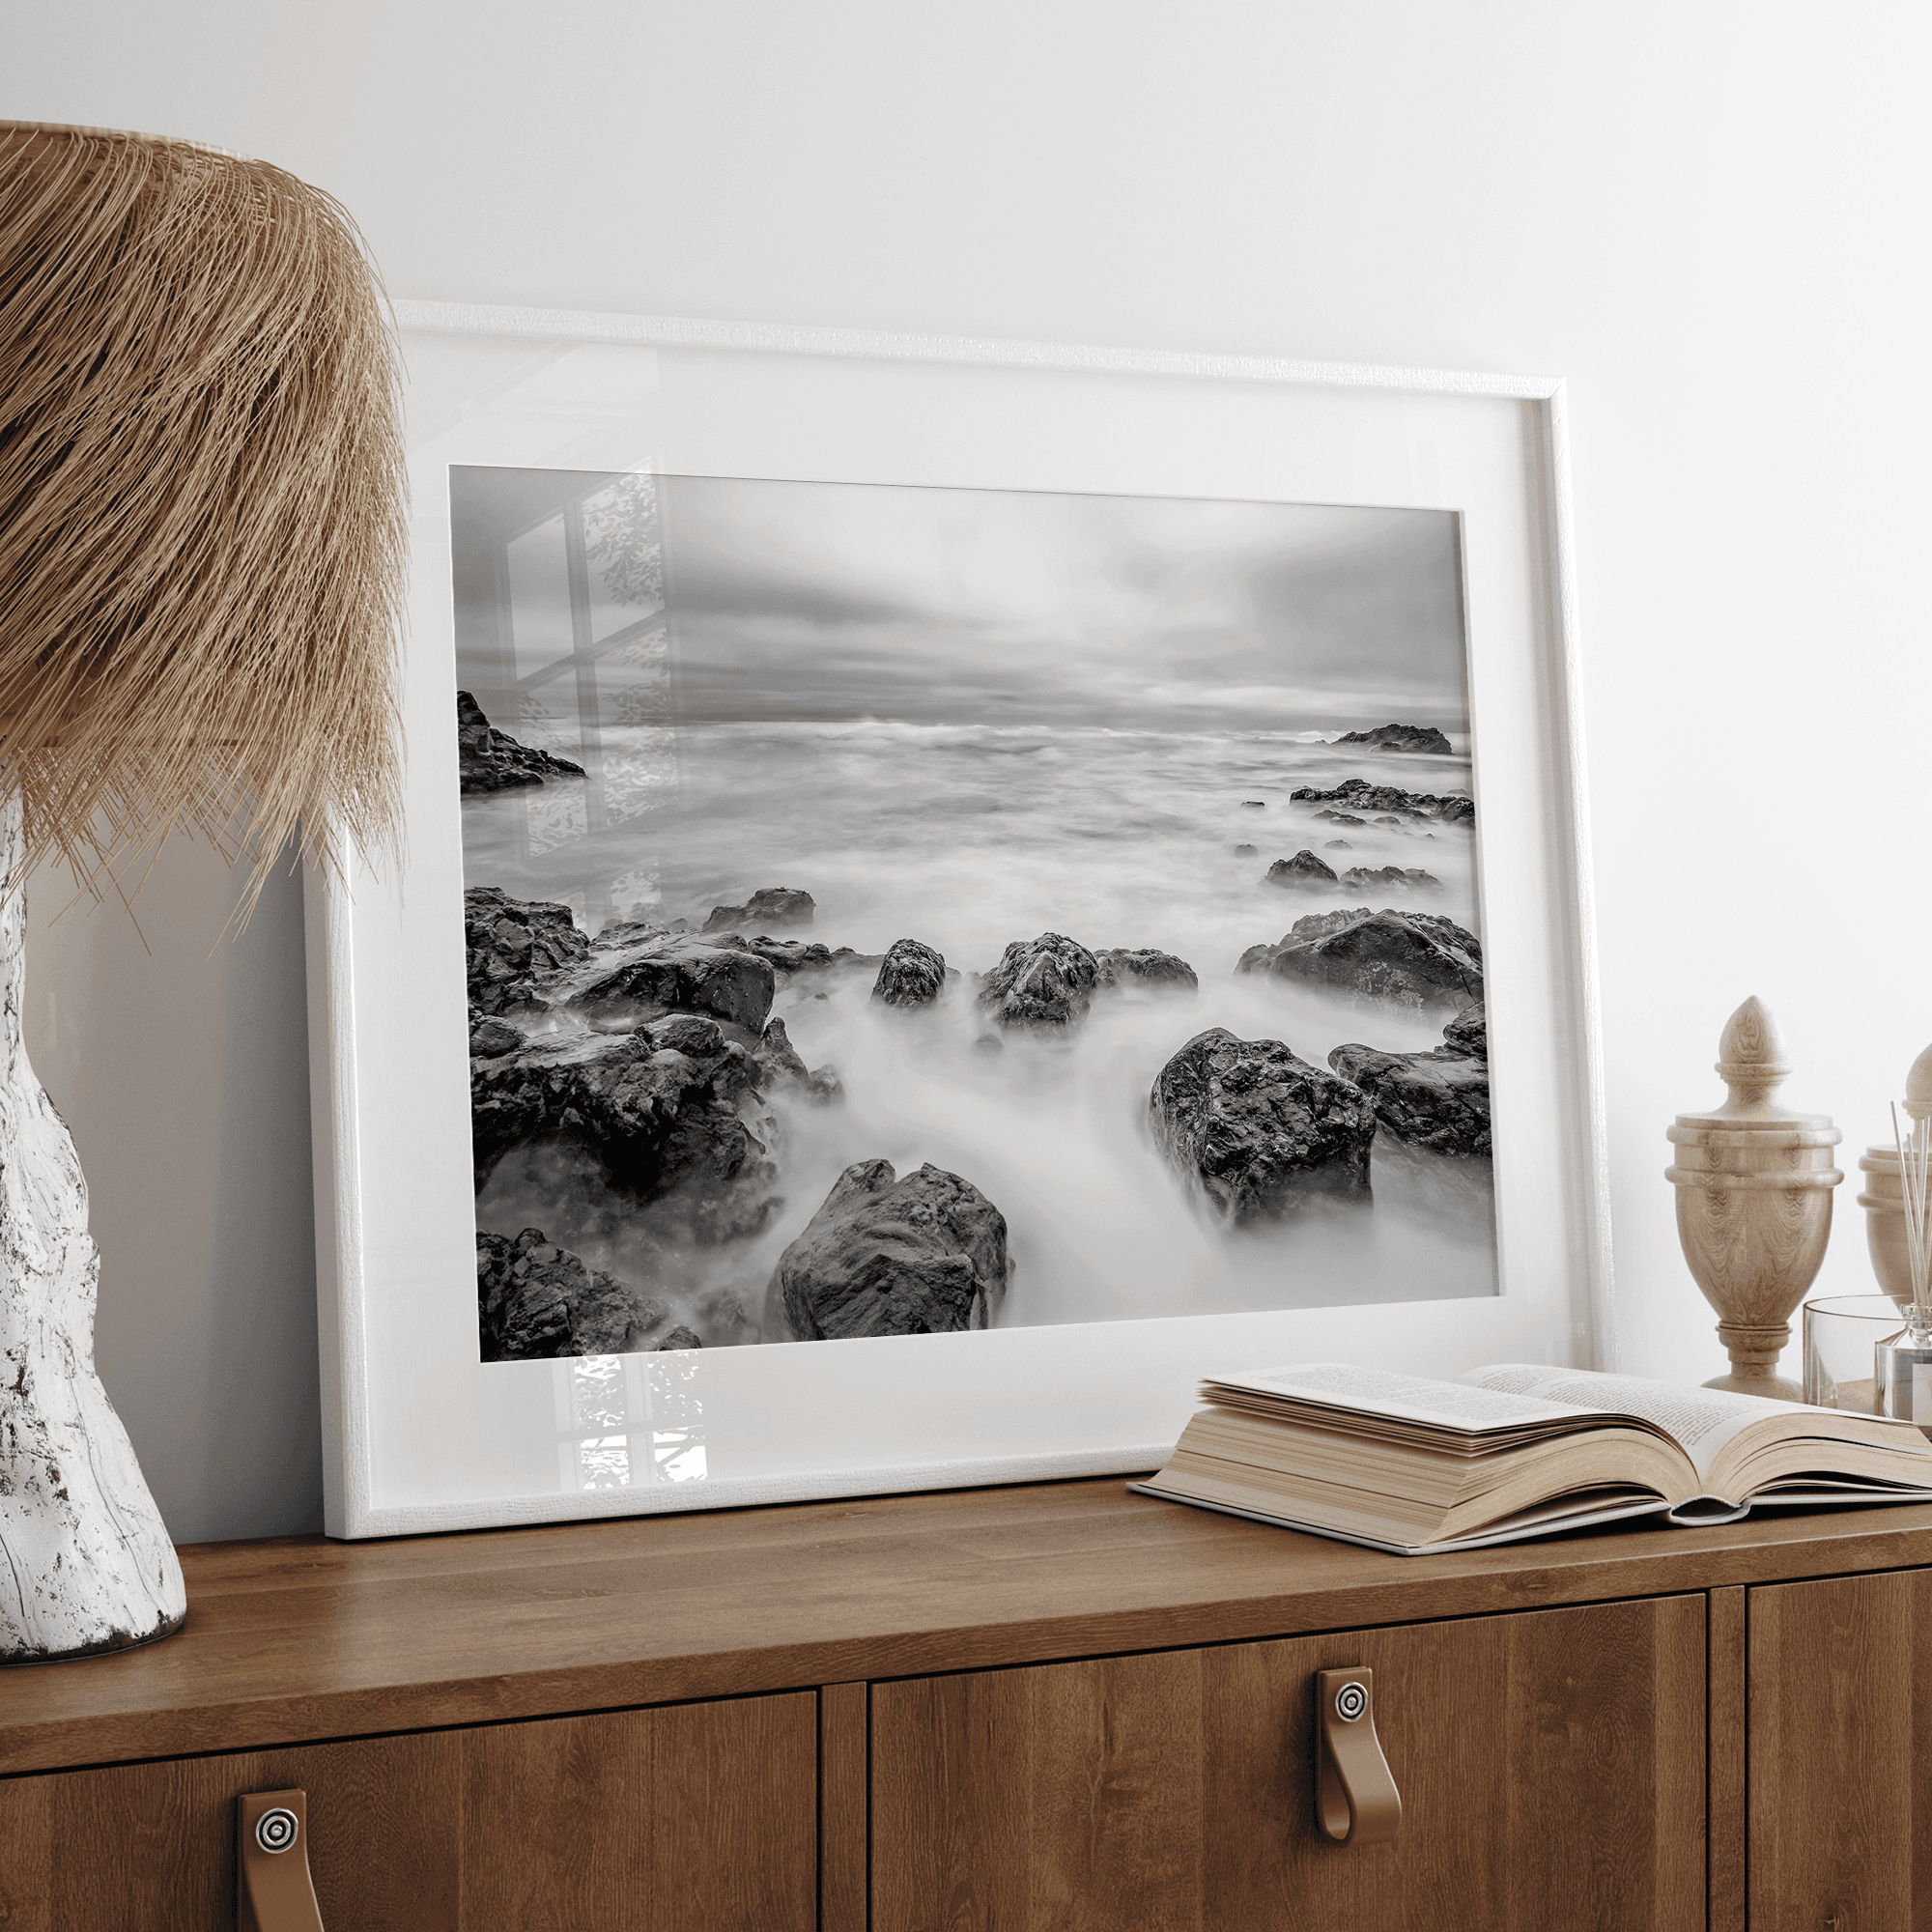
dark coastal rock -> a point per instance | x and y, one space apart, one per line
537 1302
1388 818
1399 738
787 957
911 975
1468 1034
658 1108
1258 1130
680 1337
1254 805
489 760
1319 925
1303 869
1447 933
723 1322
676 971
1359 795
1040 983
1397 878
1414 959
491 1039
514 949
921 1255
777 1059
782 1070
1143 966
1438 1101
1341 817
772 905
1247 852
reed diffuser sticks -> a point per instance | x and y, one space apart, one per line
1915 1187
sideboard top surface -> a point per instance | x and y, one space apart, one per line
299 1638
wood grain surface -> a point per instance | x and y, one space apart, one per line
1551 1768
1726 1787
694 1818
845 1800
301 1641
1840 1733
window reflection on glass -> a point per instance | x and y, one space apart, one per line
604 1463
610 1407
677 1418
562 640
597 1456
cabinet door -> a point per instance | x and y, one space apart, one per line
692 1816
1839 1740
1550 1765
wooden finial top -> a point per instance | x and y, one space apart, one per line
1751 1058
1752 1065
1918 1087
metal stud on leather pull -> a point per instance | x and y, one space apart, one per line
1355 1799
273 1889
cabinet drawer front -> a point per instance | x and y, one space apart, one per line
1840 1733
671 1820
1550 1765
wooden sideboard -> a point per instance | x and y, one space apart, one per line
1058 1706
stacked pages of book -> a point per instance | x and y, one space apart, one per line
1414 1465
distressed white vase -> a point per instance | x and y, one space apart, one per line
85 1560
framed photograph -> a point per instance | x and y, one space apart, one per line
952 889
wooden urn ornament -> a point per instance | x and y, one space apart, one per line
1754 1184
1884 1198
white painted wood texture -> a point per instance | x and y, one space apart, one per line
419 1434
85 1560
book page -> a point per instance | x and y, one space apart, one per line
1701 1421
1412 1398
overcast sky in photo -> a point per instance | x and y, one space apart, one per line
838 601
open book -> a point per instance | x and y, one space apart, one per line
1404 1463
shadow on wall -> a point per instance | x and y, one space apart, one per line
182 1072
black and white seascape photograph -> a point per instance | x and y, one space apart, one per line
894 911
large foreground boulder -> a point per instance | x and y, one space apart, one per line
1359 795
536 1300
910 974
771 905
1407 958
1040 984
1143 966
514 949
659 1108
489 760
921 1255
1399 738
1438 1101
1258 1130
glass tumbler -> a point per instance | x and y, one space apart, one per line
1840 1332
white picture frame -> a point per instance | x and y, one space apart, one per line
419 1434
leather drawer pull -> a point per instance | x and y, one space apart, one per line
273 1893
1355 1799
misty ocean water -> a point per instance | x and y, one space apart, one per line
967 838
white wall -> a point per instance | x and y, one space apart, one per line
1711 218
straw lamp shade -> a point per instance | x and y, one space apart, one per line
202 549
